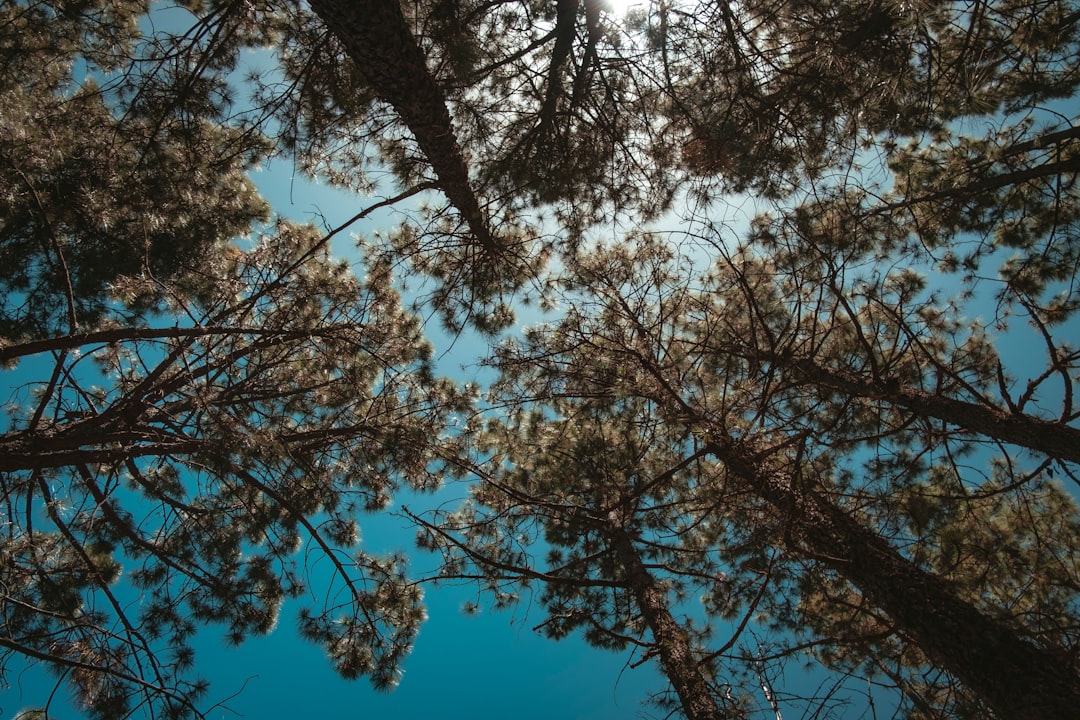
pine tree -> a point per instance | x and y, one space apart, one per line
212 391
807 430
189 462
614 506
89 193
795 447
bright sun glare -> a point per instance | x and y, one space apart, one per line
622 7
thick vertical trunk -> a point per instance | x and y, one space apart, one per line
1053 439
676 654
565 29
1017 680
377 39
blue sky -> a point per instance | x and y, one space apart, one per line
487 666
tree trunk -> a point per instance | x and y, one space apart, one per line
985 185
676 655
565 29
1053 439
1016 679
377 39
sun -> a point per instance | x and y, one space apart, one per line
619 8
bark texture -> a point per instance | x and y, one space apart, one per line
378 40
1053 439
676 655
1018 680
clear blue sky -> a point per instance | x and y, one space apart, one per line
490 666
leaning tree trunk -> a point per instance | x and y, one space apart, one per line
676 654
1016 679
1053 439
377 39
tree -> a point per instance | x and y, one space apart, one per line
193 461
207 404
771 95
566 109
640 333
377 39
570 112
806 387
87 196
616 504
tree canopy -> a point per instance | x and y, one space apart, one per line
841 430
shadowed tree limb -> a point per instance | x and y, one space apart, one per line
377 39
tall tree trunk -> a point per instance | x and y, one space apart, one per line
377 39
565 28
1017 680
676 654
